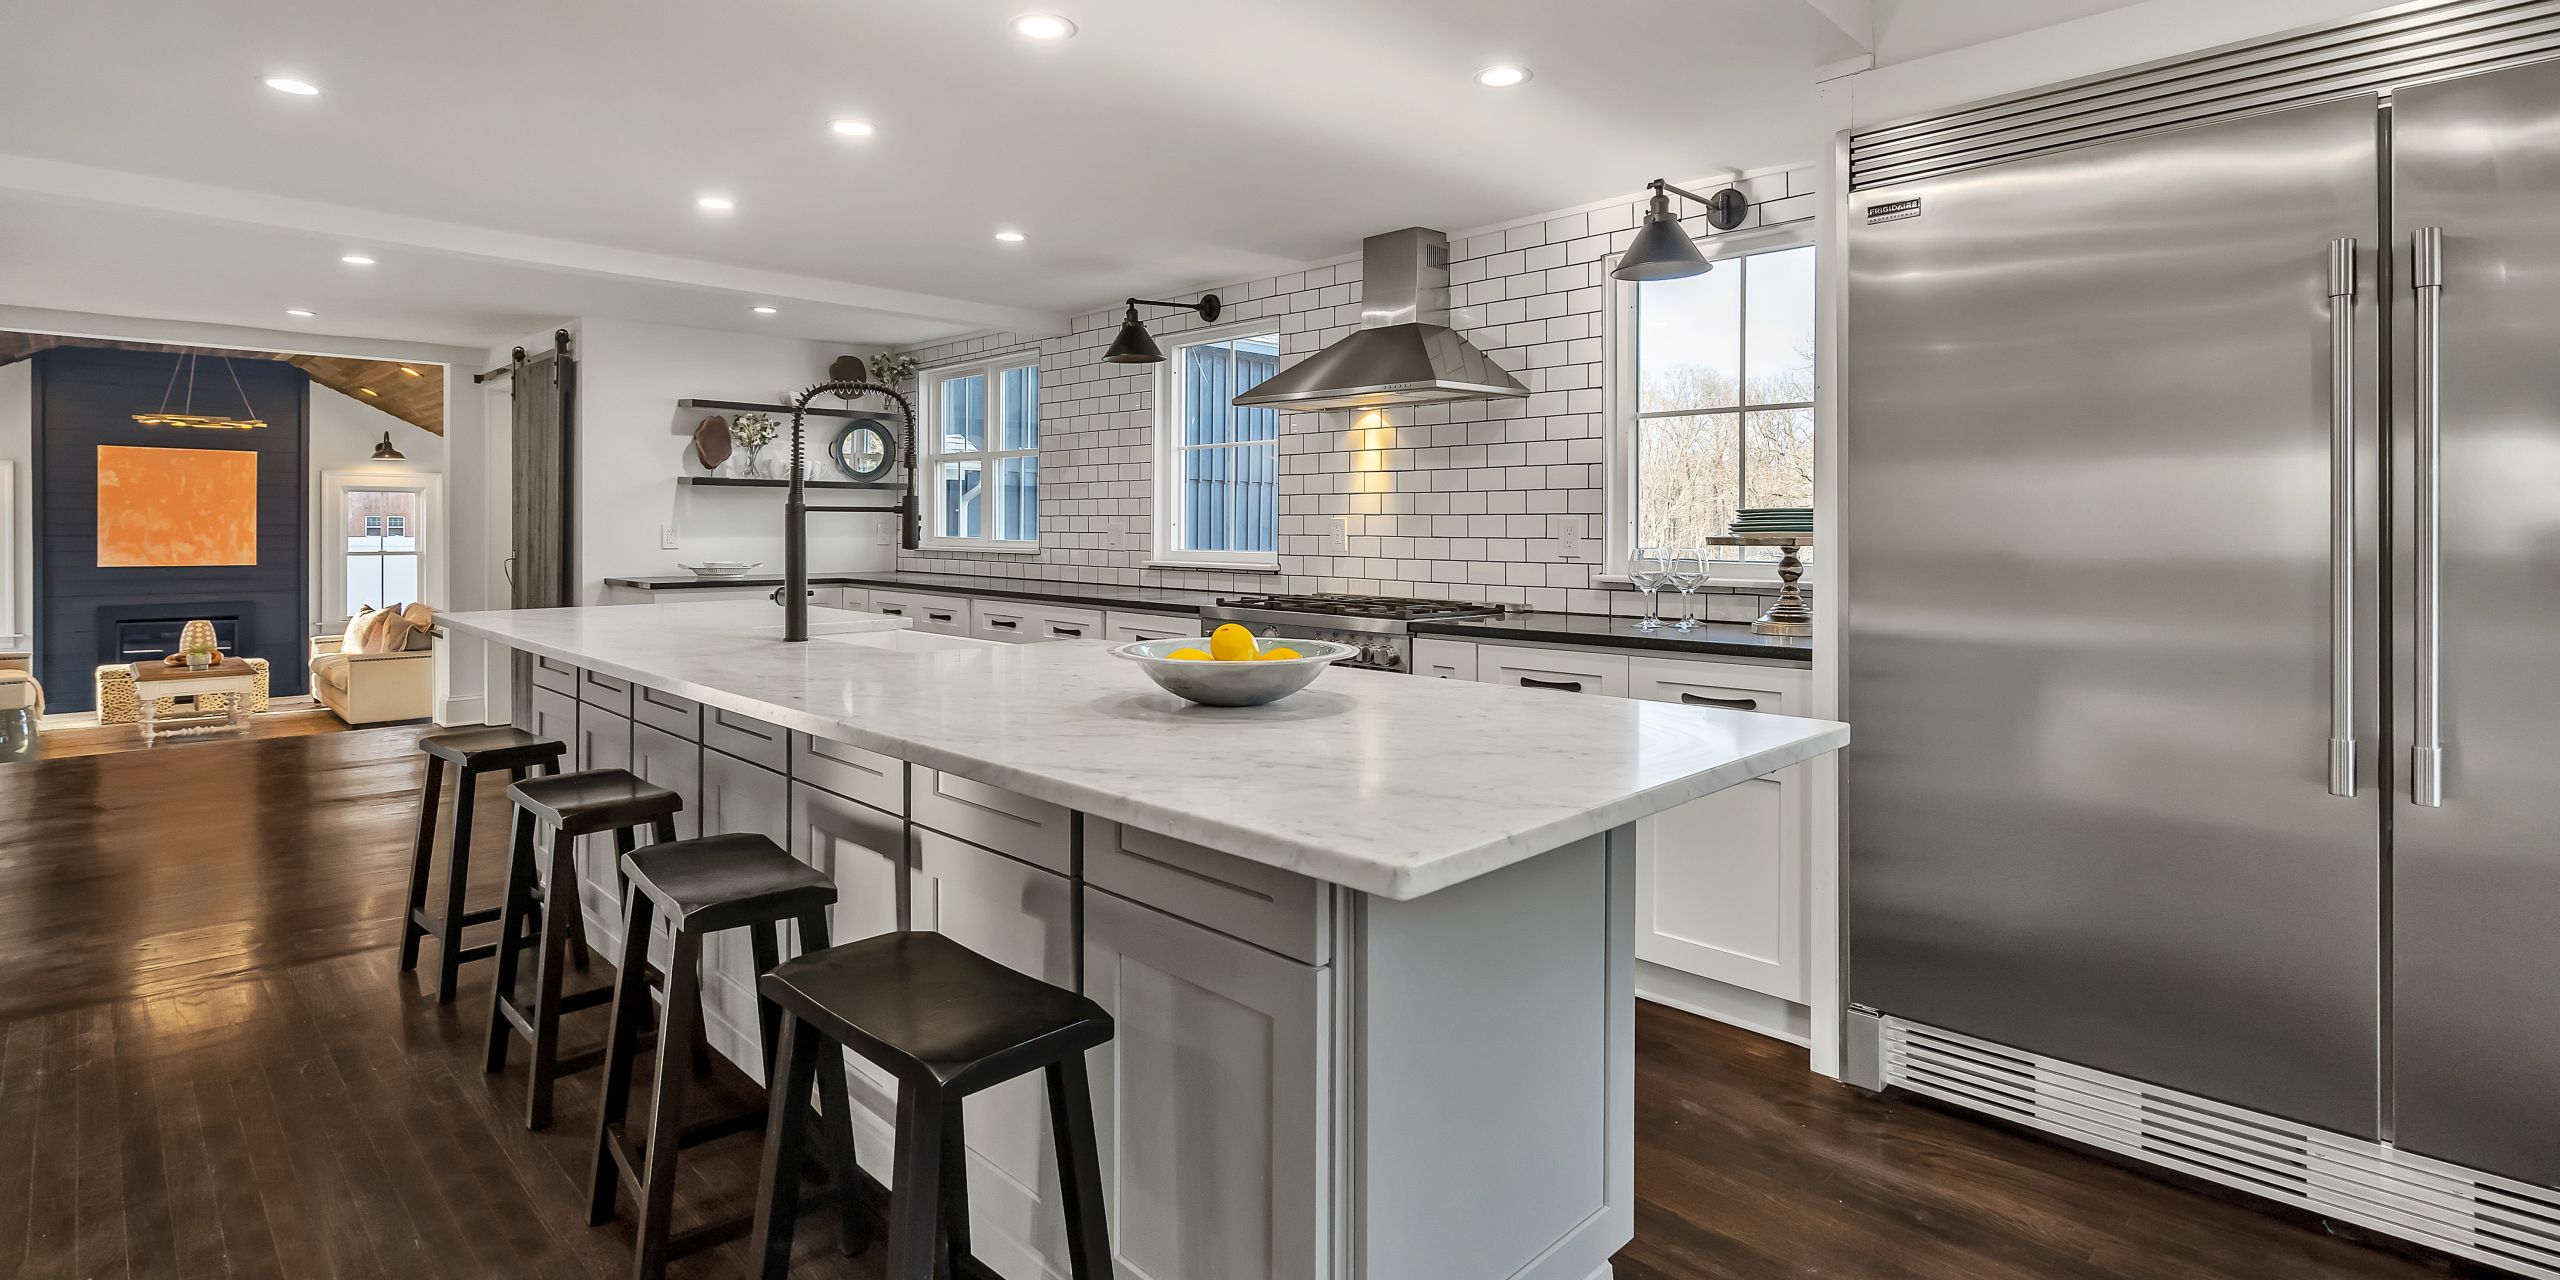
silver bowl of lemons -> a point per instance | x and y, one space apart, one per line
1232 668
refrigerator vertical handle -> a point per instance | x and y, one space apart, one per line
2342 517
2426 750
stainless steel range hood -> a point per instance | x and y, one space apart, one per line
1405 351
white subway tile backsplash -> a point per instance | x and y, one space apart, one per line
1449 501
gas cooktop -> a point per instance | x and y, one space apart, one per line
1335 604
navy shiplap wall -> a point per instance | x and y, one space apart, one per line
87 398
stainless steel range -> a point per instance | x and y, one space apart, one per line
1380 627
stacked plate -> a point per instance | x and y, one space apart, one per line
720 568
1773 520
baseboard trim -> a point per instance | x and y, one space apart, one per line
464 710
1772 1016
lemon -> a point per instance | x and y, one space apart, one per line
1283 651
1188 655
1232 643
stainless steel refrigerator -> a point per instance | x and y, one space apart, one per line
2202 530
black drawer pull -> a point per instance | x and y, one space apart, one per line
1569 686
1729 704
937 617
1006 623
1068 632
893 610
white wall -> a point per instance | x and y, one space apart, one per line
633 442
343 433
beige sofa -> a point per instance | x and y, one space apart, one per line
373 688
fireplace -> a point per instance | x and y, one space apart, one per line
143 639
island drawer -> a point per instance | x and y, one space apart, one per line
747 738
850 771
1600 673
597 689
1035 831
667 712
555 675
1273 909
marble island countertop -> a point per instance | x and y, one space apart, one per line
1382 783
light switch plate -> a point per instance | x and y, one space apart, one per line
1341 533
885 532
666 537
1115 535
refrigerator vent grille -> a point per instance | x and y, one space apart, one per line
2477 1215
2403 46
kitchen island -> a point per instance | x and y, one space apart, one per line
1369 949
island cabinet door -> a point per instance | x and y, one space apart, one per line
552 714
738 797
604 742
1212 1099
863 851
1023 916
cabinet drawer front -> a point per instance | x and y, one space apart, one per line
1035 831
932 613
555 675
1600 673
1054 623
1444 659
1125 627
747 738
849 771
993 621
662 710
1278 910
857 599
597 689
1731 686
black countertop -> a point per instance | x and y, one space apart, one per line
1716 639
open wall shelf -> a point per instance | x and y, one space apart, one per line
784 410
741 482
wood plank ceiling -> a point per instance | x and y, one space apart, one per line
413 393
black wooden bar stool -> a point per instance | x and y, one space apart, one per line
703 887
472 752
948 1023
551 813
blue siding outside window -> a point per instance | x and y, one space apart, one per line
1229 457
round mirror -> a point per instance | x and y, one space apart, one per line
866 450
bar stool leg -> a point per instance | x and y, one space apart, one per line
666 1104
457 873
915 1189
786 1115
430 793
1079 1169
511 926
835 1123
621 1053
955 1186
548 963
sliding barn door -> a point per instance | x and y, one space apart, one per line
541 570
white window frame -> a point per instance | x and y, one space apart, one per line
929 439
1165 543
335 485
1619 485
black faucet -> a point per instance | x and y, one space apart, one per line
796 508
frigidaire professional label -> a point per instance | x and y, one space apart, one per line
1893 211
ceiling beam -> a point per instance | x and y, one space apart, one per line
1856 19
169 196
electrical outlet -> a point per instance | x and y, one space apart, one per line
1341 535
1567 531
1115 535
885 532
666 537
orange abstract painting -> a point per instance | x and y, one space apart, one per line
171 508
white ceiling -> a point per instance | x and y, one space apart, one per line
1909 29
509 163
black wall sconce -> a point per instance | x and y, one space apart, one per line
1136 346
1661 250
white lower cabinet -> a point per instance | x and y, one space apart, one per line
1212 1098
1127 627
551 713
857 599
738 797
1022 916
604 742
864 851
675 763
1444 659
1023 621
946 614
1556 670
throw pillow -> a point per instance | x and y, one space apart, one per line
353 640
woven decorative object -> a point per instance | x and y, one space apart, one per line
197 637
119 704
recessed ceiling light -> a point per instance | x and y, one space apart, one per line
852 128
411 372
356 260
1043 26
1009 237
297 313
370 391
287 84
1502 77
764 311
714 204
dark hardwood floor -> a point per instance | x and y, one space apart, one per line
210 1066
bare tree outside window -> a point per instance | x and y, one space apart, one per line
1724 410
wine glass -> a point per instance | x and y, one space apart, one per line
1688 573
1648 569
